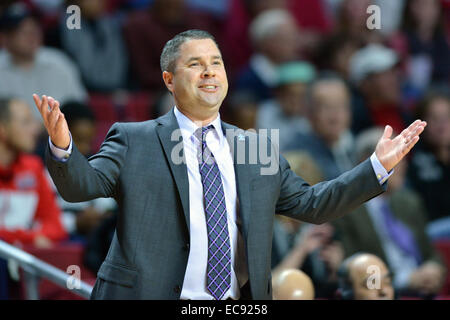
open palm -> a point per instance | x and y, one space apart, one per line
391 151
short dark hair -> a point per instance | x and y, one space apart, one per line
5 112
13 16
74 111
171 49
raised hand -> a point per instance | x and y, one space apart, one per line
54 120
391 151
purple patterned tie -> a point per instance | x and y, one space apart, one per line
219 250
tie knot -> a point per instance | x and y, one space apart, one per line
200 133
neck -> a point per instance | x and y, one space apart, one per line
200 121
7 155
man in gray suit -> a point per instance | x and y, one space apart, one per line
199 228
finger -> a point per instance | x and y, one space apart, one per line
417 131
51 102
59 122
37 102
387 132
53 118
410 129
410 144
44 109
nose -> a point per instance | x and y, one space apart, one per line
208 72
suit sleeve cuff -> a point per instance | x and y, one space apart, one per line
60 154
380 171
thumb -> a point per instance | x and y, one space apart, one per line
387 132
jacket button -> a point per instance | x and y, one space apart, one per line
177 289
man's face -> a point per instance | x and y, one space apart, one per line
283 45
199 82
25 40
22 129
331 111
361 270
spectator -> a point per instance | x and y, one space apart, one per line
26 67
354 279
424 32
29 213
147 31
98 47
330 143
287 112
81 218
430 166
274 36
373 70
392 227
310 16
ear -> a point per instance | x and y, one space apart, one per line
168 80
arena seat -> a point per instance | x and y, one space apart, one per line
124 107
138 107
60 256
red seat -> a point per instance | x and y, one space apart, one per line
61 256
138 107
103 107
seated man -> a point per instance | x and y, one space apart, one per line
364 277
29 213
393 228
330 142
26 66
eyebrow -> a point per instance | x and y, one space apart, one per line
199 58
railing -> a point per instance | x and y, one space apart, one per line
35 269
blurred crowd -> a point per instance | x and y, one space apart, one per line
313 69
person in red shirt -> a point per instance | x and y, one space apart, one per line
29 213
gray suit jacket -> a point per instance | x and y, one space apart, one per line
149 252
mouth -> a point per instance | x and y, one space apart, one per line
210 88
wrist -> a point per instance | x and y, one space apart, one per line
64 144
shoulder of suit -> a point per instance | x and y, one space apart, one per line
140 127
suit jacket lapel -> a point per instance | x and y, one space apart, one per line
168 126
241 173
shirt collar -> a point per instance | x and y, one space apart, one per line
188 127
